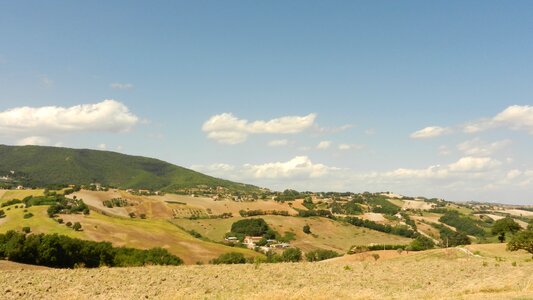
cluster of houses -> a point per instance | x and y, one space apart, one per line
251 243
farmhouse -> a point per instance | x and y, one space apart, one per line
250 241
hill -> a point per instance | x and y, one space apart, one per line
40 166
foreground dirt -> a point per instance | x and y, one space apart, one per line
468 278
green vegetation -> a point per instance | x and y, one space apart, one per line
306 229
291 255
115 202
450 238
421 243
40 166
252 227
503 226
60 251
462 223
396 230
522 240
382 205
229 259
318 255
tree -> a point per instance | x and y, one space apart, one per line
522 240
2 213
26 229
291 255
307 229
253 227
76 226
229 258
503 226
318 255
421 243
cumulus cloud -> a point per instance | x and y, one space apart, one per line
34 140
228 129
102 146
323 145
121 86
477 147
277 143
469 164
515 117
298 167
108 115
430 132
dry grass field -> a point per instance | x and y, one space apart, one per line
432 277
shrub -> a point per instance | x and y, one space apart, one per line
291 255
421 243
76 226
26 229
318 255
28 215
68 224
142 216
375 256
307 229
2 213
229 258
60 221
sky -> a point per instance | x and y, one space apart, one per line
420 98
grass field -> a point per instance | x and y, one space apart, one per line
434 277
6 195
326 234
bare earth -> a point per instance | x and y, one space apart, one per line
441 278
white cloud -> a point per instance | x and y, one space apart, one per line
298 167
218 168
108 115
102 146
345 147
469 164
516 117
323 145
330 130
370 131
227 129
477 147
121 86
34 140
430 132
277 143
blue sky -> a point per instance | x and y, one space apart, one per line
190 83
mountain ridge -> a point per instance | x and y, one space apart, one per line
44 165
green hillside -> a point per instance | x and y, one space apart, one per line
39 166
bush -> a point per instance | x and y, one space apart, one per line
2 213
464 224
421 243
60 221
69 224
318 255
26 229
229 258
28 215
76 226
291 255
307 229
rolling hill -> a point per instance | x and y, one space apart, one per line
40 166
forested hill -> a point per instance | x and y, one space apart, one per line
39 165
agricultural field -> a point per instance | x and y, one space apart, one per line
136 233
433 274
325 233
6 195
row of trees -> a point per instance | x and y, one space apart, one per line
60 251
396 230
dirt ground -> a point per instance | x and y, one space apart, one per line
437 278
